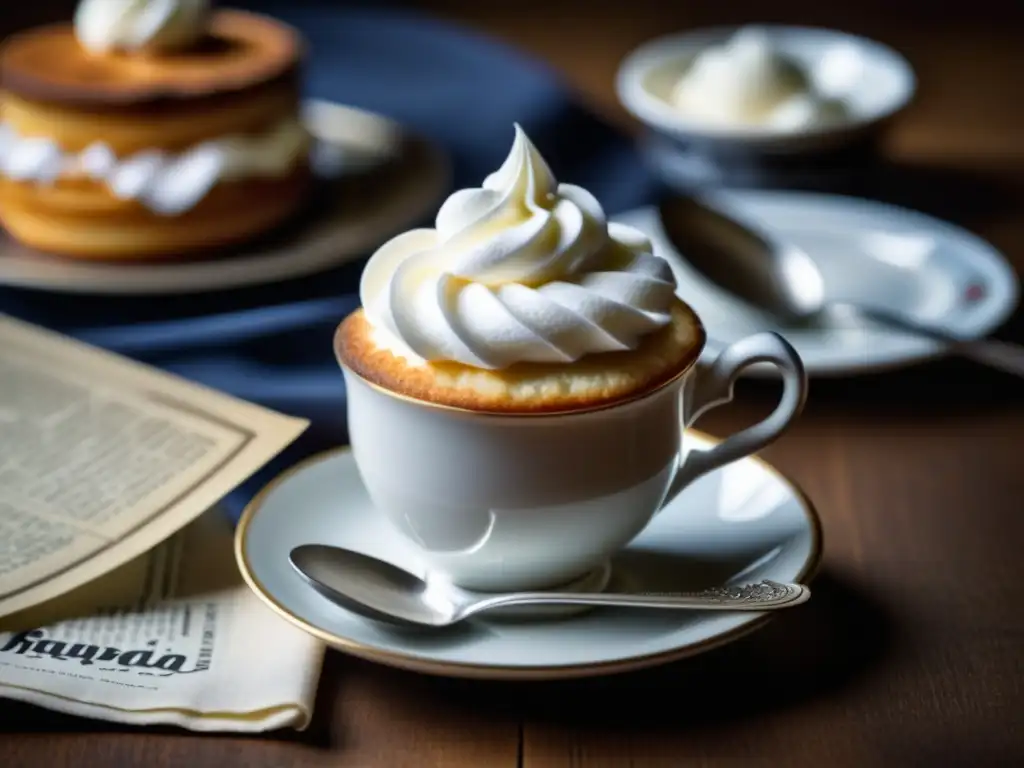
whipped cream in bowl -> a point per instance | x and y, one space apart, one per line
747 81
522 269
764 87
160 26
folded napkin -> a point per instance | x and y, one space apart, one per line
174 637
272 344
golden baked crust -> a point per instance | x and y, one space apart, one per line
592 382
127 131
82 219
245 85
242 51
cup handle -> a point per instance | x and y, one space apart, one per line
713 386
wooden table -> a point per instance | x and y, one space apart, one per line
912 651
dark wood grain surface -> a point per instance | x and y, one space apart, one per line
912 651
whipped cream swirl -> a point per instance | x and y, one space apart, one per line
523 269
140 25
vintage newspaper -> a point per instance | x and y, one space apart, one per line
174 637
102 458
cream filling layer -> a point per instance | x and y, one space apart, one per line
167 183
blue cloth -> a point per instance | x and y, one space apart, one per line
272 344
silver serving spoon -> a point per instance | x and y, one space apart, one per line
784 280
383 592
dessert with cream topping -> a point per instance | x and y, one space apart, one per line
745 82
522 298
150 129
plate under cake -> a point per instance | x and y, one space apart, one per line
138 155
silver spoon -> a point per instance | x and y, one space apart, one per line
384 592
784 280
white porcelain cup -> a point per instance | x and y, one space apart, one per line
507 503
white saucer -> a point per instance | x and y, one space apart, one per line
384 180
866 250
744 523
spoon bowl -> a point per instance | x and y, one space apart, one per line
784 280
383 592
371 587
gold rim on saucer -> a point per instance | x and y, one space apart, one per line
502 672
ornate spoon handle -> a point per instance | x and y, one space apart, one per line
763 596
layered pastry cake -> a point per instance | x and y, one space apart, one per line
522 299
150 129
